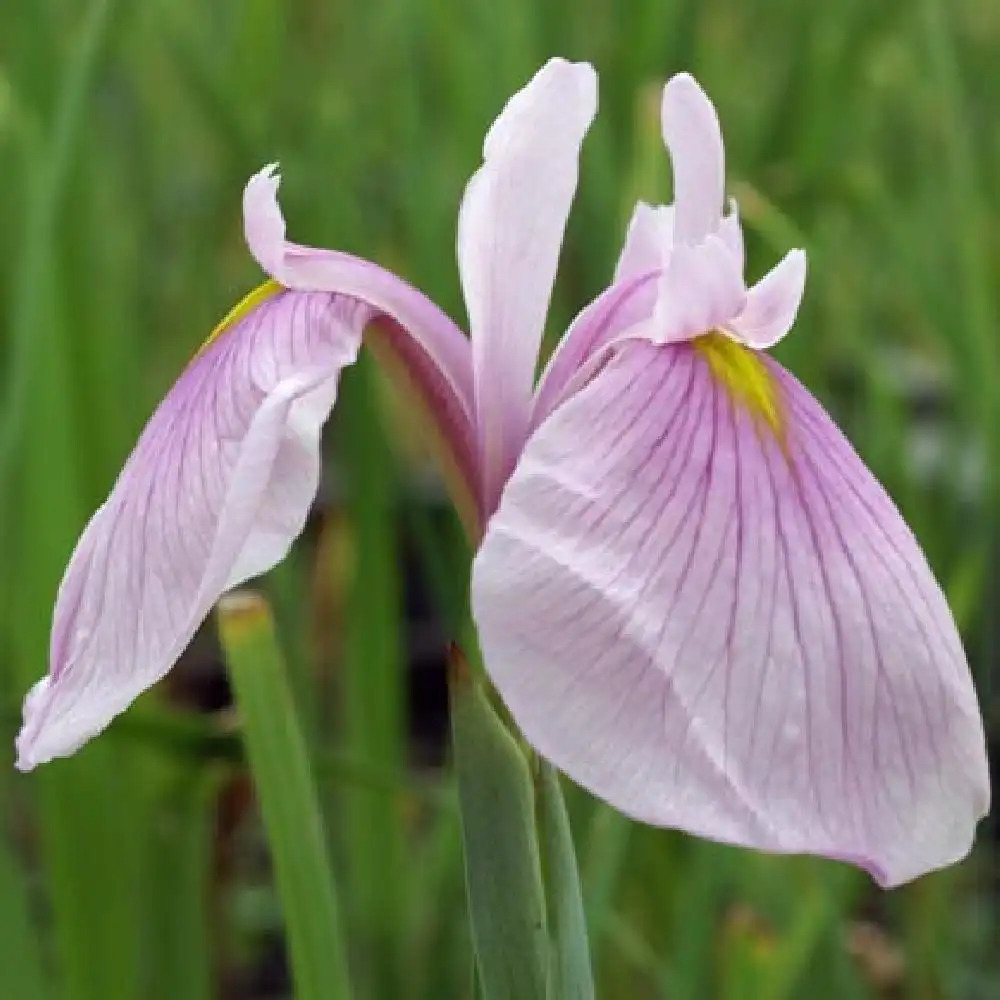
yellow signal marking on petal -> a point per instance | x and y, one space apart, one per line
243 308
744 375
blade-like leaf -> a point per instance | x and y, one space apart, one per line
19 953
570 976
181 870
502 864
280 766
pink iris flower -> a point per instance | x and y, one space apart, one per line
689 591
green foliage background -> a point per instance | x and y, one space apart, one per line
867 132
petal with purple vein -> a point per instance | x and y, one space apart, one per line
614 312
698 603
414 335
216 490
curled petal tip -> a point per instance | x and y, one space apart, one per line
263 223
263 183
38 743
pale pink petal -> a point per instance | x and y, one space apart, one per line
731 233
510 232
694 138
727 629
648 241
772 303
310 269
701 289
428 345
215 491
613 313
263 223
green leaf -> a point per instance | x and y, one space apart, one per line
502 864
280 766
605 853
180 872
570 976
30 321
19 952
371 688
91 820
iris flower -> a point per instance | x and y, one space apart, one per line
690 592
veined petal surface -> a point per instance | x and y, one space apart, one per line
217 488
616 311
698 603
510 232
422 339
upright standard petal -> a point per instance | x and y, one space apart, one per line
698 602
693 137
215 491
510 232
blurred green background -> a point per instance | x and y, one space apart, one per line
867 132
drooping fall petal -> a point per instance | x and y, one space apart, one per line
510 232
698 603
223 476
215 491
